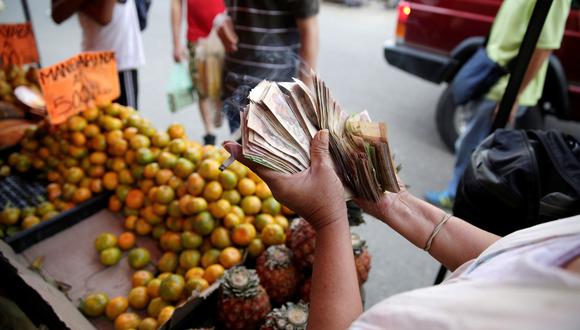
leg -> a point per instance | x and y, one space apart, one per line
205 108
129 88
196 71
122 99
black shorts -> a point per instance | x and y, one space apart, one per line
129 88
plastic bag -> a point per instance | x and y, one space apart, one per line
209 57
179 88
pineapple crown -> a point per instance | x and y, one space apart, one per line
358 244
288 317
278 256
240 282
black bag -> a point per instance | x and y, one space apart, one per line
142 11
517 179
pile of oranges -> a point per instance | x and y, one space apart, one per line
167 187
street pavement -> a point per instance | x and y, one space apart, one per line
352 63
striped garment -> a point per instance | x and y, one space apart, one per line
268 46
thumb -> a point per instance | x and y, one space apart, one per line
319 148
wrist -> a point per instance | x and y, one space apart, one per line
324 217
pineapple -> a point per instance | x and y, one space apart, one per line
362 258
301 240
288 317
243 302
277 273
304 291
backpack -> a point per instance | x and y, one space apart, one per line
517 179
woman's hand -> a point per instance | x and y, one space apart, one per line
380 209
316 194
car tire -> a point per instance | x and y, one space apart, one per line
444 118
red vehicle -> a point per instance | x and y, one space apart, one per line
434 38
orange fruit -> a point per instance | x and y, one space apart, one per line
126 240
110 256
153 287
122 191
176 131
243 234
138 297
263 191
130 222
94 304
209 169
164 195
246 187
113 136
287 211
148 323
170 241
160 139
74 174
167 262
142 227
232 196
104 241
110 180
230 257
196 205
116 307
167 160
138 141
213 273
198 284
251 205
183 167
150 170
155 306
149 215
115 204
127 321
195 184
141 278
165 314
189 259
76 123
129 133
210 257
158 230
160 209
256 247
125 177
238 211
282 221
81 194
177 146
172 288
204 223
96 186
212 191
262 220
271 206
139 258
145 185
175 224
273 234
238 168
78 139
254 177
191 240
228 179
30 221
98 158
231 220
220 238
220 208
195 272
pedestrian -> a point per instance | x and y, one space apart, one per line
527 280
266 39
502 47
110 25
200 16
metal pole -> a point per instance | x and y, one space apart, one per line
522 61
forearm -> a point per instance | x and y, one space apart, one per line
61 10
536 62
309 44
335 300
176 16
100 10
456 243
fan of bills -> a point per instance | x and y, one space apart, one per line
282 118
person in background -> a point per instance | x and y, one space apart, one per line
503 45
527 280
266 39
200 16
109 25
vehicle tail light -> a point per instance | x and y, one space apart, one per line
404 11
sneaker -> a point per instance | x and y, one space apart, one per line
209 139
440 199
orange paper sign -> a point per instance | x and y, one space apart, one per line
83 81
17 44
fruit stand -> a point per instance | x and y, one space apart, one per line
181 243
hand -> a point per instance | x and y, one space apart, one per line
316 194
179 53
228 36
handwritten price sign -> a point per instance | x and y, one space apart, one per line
83 81
17 44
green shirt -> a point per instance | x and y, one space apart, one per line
507 34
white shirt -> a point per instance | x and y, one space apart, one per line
121 35
517 283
